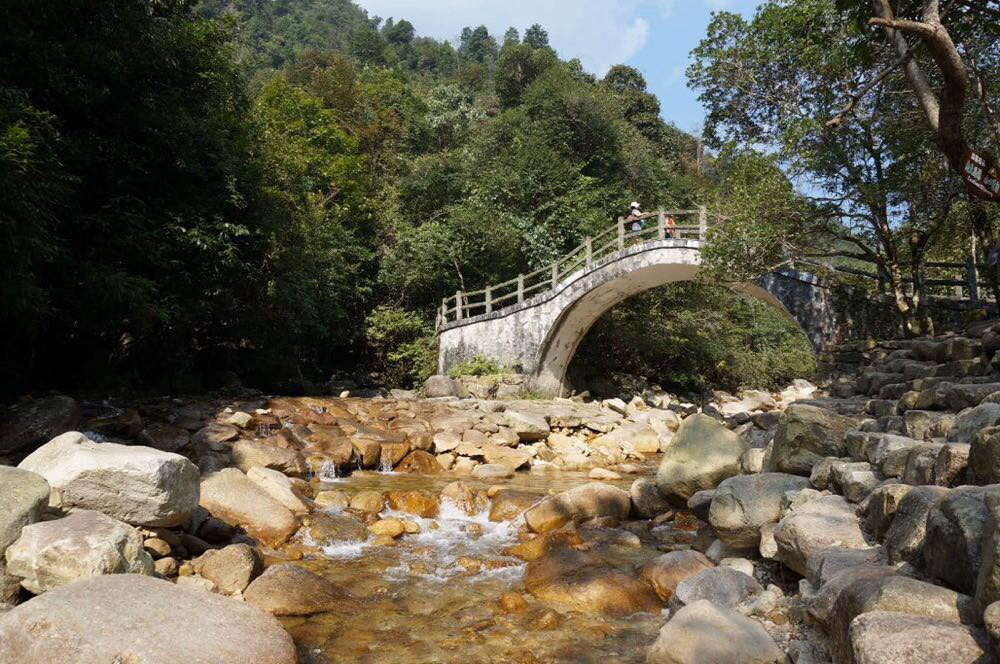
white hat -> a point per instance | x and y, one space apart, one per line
634 204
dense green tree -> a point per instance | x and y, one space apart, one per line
536 37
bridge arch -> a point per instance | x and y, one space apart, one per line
541 335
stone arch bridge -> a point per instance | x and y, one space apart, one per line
537 321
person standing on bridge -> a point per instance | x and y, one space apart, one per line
634 220
670 227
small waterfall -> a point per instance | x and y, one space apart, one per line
328 472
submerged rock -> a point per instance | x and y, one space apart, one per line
578 504
574 581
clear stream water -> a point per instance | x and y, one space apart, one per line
418 602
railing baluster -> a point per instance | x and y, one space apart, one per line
489 299
661 225
555 274
621 234
590 252
702 223
520 288
458 305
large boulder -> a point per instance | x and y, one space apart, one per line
722 586
134 484
742 504
821 604
665 572
248 454
885 637
441 386
231 496
578 504
905 537
984 457
50 554
805 435
290 590
988 580
33 422
703 633
703 453
131 618
230 568
23 496
820 524
571 580
896 593
881 505
528 426
955 527
970 422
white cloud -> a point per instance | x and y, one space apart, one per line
599 32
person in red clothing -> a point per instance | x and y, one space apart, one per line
671 227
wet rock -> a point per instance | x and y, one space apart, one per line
419 503
509 504
86 543
882 637
419 461
895 593
231 568
490 471
249 453
324 528
229 495
97 621
390 527
331 499
722 586
905 538
574 581
464 497
137 485
665 572
368 501
692 636
742 504
215 436
805 435
164 437
820 524
955 527
279 487
33 422
578 504
290 590
647 501
703 453
367 451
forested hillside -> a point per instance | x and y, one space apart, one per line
287 189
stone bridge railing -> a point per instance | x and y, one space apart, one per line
497 297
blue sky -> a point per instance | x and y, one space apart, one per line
655 36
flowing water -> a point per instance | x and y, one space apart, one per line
435 596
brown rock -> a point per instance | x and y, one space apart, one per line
232 568
229 495
665 572
574 581
290 590
419 461
509 504
419 503
578 504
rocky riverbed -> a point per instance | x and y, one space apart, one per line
850 523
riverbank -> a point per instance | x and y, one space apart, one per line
851 523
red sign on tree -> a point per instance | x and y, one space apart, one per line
982 176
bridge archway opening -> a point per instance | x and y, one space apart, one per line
674 331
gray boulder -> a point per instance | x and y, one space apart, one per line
927 424
898 594
23 497
988 579
955 527
970 422
132 618
703 453
885 637
805 435
742 504
820 524
984 457
723 586
441 386
692 636
50 554
904 539
647 501
879 508
134 484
